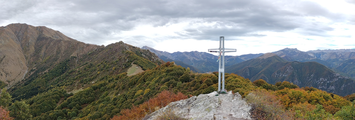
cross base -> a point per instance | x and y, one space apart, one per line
221 92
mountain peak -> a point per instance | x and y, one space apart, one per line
24 30
24 48
147 48
267 55
290 49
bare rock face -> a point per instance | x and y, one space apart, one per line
12 62
207 107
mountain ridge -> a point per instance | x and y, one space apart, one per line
304 74
24 49
202 61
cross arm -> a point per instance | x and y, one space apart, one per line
225 50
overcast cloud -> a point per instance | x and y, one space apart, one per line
251 26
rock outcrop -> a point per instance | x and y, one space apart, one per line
207 107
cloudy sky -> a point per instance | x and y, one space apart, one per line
251 26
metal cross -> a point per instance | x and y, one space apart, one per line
221 50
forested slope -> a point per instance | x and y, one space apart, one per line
111 94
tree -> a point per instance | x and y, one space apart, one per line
5 98
347 112
259 82
185 77
318 114
20 110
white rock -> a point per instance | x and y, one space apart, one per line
207 107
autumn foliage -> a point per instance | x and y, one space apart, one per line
4 114
330 102
137 112
266 105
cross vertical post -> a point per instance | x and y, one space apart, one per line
221 50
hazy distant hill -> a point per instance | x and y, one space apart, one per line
333 59
181 64
202 61
272 69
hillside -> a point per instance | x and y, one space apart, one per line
274 69
347 67
276 103
78 73
25 50
113 94
181 64
333 59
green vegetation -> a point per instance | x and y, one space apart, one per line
96 86
347 112
41 84
20 110
5 98
113 93
347 67
274 69
2 84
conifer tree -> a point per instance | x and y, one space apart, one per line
20 110
5 98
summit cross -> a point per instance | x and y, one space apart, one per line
221 50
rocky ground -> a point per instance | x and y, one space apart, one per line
206 107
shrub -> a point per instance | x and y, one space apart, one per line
318 114
5 115
346 112
259 82
185 77
265 105
138 112
5 98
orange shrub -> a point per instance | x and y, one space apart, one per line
4 114
138 112
330 102
266 105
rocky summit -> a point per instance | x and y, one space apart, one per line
207 107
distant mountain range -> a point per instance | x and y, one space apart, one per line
329 70
273 69
338 60
200 61
341 61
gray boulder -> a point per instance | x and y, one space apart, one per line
207 107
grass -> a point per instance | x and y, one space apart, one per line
133 70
